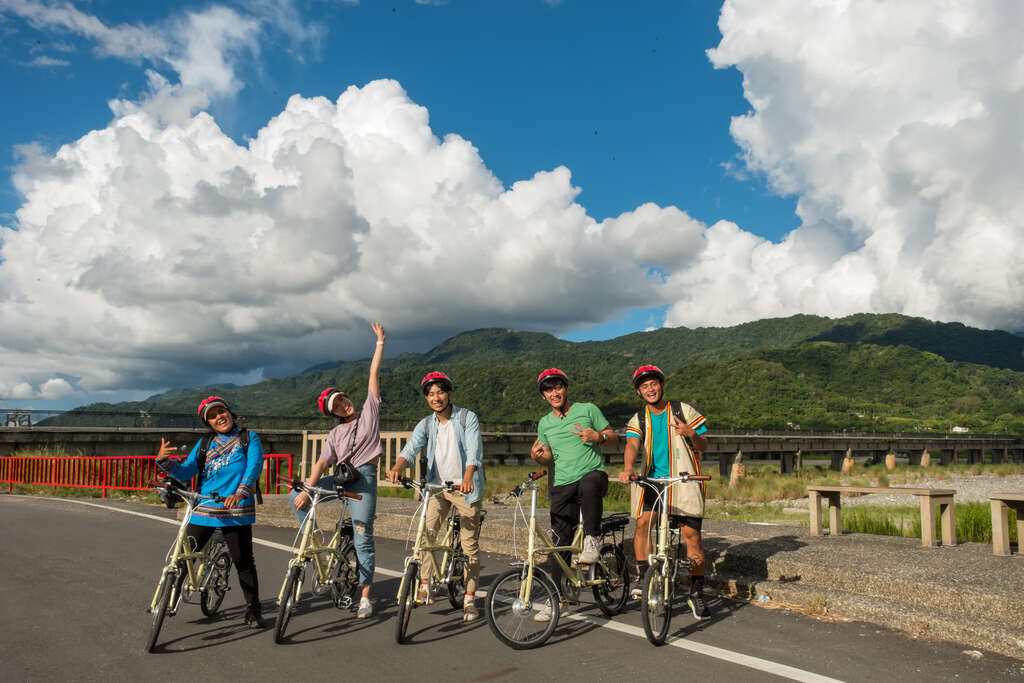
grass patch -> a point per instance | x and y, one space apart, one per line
973 521
78 492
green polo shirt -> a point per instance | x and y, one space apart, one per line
573 457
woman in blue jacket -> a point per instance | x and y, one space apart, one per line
234 459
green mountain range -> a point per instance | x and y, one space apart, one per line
862 372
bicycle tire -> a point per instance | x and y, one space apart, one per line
655 608
215 579
344 577
457 586
611 595
290 597
509 621
160 609
406 601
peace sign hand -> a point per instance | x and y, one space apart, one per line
682 429
166 450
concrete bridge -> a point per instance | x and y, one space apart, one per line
788 448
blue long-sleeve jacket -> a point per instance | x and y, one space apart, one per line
471 447
227 473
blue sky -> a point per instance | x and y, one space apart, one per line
198 192
622 95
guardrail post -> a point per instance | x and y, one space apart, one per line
105 464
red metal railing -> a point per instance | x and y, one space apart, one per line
131 473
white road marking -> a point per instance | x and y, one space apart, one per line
730 656
270 544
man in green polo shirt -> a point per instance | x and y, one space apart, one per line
570 436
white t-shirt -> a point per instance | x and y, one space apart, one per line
446 453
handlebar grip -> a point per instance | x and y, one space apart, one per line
406 482
699 477
534 476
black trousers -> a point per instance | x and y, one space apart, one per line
239 540
586 494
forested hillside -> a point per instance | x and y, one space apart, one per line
875 372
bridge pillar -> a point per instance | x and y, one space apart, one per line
946 456
785 462
836 460
975 456
798 459
913 458
725 464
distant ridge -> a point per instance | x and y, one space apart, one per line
884 372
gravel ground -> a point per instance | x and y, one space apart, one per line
969 488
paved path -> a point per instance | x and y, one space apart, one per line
76 577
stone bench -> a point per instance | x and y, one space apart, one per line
1001 504
930 498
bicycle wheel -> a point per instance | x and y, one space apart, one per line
511 619
214 583
344 577
656 603
159 609
289 600
406 600
610 569
457 586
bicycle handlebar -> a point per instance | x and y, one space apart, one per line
299 485
530 478
408 483
177 488
684 477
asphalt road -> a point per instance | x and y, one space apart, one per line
76 578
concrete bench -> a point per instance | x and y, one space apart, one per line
1001 504
930 498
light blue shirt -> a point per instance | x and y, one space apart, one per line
471 447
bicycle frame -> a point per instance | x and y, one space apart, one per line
573 574
309 547
426 542
180 553
661 552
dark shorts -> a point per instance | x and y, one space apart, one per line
675 520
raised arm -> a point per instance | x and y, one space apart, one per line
378 354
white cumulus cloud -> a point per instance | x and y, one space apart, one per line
147 250
898 126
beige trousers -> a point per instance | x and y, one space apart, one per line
437 511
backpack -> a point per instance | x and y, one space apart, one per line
204 446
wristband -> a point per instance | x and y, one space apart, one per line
380 343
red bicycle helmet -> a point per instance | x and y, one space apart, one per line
439 378
209 403
551 373
324 402
645 372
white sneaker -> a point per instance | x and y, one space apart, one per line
425 596
589 554
365 609
545 613
469 610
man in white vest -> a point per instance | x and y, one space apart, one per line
666 437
